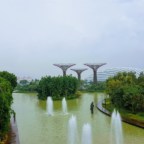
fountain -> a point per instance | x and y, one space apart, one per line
86 134
64 106
116 128
49 106
72 131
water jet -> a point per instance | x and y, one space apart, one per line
49 106
64 106
116 128
86 134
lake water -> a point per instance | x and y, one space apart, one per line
36 127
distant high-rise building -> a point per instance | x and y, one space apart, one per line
105 74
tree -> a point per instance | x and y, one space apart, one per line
9 77
26 86
23 82
132 98
126 91
141 79
57 87
5 106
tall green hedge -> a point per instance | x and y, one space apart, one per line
57 87
5 106
7 84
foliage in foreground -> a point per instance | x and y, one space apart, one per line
126 91
7 84
57 87
9 77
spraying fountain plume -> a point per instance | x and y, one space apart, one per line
116 128
72 131
49 106
86 134
64 105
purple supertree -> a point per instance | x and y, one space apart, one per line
64 67
94 67
79 71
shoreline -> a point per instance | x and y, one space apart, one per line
13 134
127 120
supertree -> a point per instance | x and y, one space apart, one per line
79 71
94 67
64 67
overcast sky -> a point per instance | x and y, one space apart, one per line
35 34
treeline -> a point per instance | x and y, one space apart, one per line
26 86
8 82
126 91
57 87
91 87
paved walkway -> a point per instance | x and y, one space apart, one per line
14 136
102 109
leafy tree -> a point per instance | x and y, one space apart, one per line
126 91
23 82
8 82
91 87
25 86
5 106
132 98
141 79
9 77
57 87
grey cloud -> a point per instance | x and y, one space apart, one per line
35 34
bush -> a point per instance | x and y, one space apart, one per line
126 91
57 87
5 106
8 82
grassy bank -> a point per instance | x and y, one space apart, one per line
135 119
